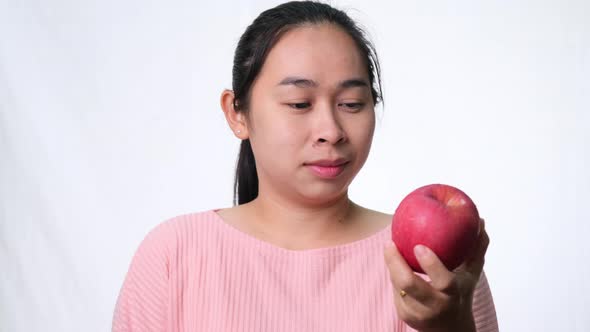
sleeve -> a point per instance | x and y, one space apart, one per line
143 297
484 311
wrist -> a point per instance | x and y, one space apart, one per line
467 324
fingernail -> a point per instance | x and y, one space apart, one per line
420 250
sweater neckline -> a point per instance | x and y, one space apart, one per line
376 239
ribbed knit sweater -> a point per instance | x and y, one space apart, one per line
195 272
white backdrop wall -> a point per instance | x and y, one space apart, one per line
110 123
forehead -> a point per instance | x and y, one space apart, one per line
322 52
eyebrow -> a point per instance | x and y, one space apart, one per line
307 83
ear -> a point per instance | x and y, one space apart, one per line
236 120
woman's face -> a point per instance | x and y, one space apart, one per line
311 101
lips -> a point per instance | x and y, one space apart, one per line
328 162
327 169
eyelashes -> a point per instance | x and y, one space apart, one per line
299 106
353 106
347 106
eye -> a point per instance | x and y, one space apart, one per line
299 106
352 106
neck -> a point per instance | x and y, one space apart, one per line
297 226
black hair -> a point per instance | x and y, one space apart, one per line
251 52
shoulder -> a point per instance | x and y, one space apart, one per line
160 248
373 219
183 221
155 262
172 232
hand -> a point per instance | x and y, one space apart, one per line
442 303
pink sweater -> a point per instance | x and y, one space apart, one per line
195 272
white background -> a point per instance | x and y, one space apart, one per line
110 123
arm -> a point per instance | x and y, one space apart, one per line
484 311
142 301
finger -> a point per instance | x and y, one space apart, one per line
441 278
475 252
413 311
404 278
476 262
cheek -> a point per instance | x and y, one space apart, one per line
362 138
279 130
277 138
362 131
277 153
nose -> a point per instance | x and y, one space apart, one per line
328 128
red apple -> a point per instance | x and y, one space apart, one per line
441 217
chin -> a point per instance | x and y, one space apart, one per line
321 193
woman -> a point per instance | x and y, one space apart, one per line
295 253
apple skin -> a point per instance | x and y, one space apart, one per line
441 217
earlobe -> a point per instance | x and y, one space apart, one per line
235 119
